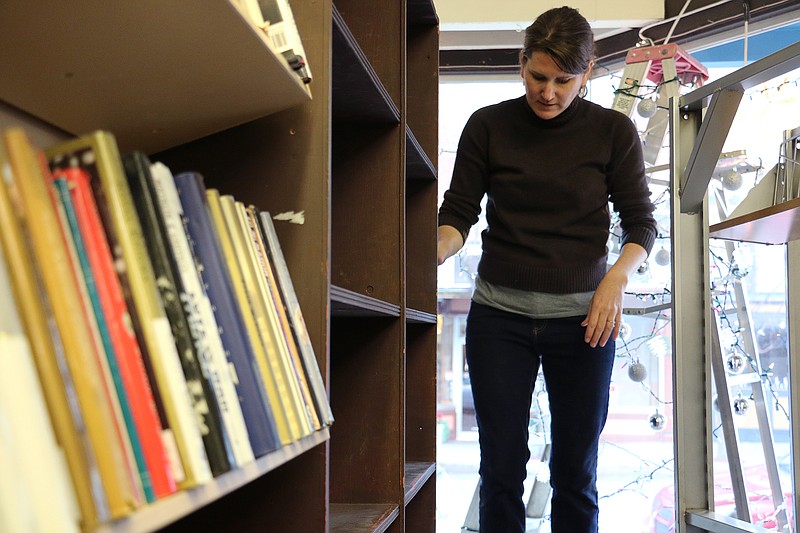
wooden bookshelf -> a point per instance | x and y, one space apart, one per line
777 224
147 71
421 200
165 512
345 303
202 90
418 164
375 518
358 93
417 474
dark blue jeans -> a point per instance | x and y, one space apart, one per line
504 351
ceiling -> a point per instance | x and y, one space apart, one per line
475 24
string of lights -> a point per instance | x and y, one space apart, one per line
738 357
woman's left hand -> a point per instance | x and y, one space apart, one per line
605 310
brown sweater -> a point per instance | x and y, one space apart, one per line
548 184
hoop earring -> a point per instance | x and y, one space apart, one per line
583 91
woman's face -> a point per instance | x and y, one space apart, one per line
548 89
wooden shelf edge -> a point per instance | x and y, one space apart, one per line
418 164
347 303
416 475
414 316
776 224
358 92
163 512
362 518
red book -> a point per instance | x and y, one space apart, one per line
126 345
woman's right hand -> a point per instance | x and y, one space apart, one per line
448 242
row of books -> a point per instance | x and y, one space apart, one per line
150 336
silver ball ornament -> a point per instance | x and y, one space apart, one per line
662 257
732 180
643 268
657 421
740 406
637 372
734 364
646 107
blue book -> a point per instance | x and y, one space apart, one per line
250 387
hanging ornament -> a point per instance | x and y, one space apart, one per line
637 372
740 406
662 257
732 180
643 268
657 421
646 107
734 364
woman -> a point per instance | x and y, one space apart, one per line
549 163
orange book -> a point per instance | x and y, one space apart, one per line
126 345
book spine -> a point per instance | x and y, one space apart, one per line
201 316
51 254
126 431
250 387
277 315
62 163
48 350
254 322
286 287
43 497
269 328
204 404
99 156
126 345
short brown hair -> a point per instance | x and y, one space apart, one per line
563 34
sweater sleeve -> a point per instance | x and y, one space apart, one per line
628 188
461 205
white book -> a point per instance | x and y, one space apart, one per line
36 494
200 315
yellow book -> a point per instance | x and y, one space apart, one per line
268 327
98 155
286 419
279 323
38 215
56 386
